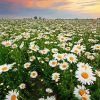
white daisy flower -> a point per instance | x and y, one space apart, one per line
61 38
49 90
7 43
41 99
75 50
56 76
27 65
26 35
44 51
79 91
97 72
33 74
54 50
71 58
14 46
53 63
5 68
22 86
58 56
51 98
32 58
33 47
80 47
96 47
82 65
12 95
67 48
64 66
85 76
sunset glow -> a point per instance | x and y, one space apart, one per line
51 8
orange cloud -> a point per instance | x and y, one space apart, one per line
86 6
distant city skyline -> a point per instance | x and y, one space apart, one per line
50 8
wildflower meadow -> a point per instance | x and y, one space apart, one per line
49 59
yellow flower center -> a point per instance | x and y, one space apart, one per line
67 48
27 65
81 92
33 47
84 75
8 44
55 51
13 97
75 51
56 77
53 63
64 66
97 46
4 68
33 74
79 47
59 56
71 58
62 38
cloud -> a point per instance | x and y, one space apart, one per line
80 6
90 6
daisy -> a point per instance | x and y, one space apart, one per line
54 50
55 76
67 48
41 99
90 57
12 95
61 38
51 98
49 90
46 59
14 46
85 76
80 47
32 58
45 51
22 86
96 47
4 68
26 35
71 58
53 63
7 43
33 47
58 56
80 91
87 53
82 65
33 74
97 72
64 66
75 50
27 65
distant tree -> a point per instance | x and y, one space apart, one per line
35 17
40 17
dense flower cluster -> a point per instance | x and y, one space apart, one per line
49 59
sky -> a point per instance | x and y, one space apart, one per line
50 8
